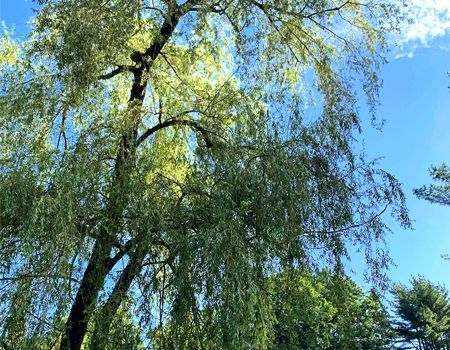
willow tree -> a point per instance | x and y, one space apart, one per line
173 154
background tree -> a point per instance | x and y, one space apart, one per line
437 193
423 315
327 311
168 153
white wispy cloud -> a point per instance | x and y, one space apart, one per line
429 22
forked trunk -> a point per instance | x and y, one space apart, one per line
109 310
94 276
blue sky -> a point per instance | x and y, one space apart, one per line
416 105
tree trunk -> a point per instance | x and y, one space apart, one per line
109 310
93 280
100 262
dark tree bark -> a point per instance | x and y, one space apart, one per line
109 310
91 284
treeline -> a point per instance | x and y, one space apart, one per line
311 311
327 311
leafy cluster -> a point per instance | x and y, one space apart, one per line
327 311
310 311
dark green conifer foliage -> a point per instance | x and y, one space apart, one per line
423 315
437 193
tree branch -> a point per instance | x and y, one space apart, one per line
171 122
334 9
121 287
359 224
118 70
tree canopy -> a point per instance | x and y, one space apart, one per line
162 158
310 311
327 311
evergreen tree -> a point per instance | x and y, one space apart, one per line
435 193
423 315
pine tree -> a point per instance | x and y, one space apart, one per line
423 314
434 193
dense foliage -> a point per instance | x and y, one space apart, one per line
326 311
163 159
423 315
311 311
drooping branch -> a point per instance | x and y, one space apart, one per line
353 226
274 14
63 130
274 25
